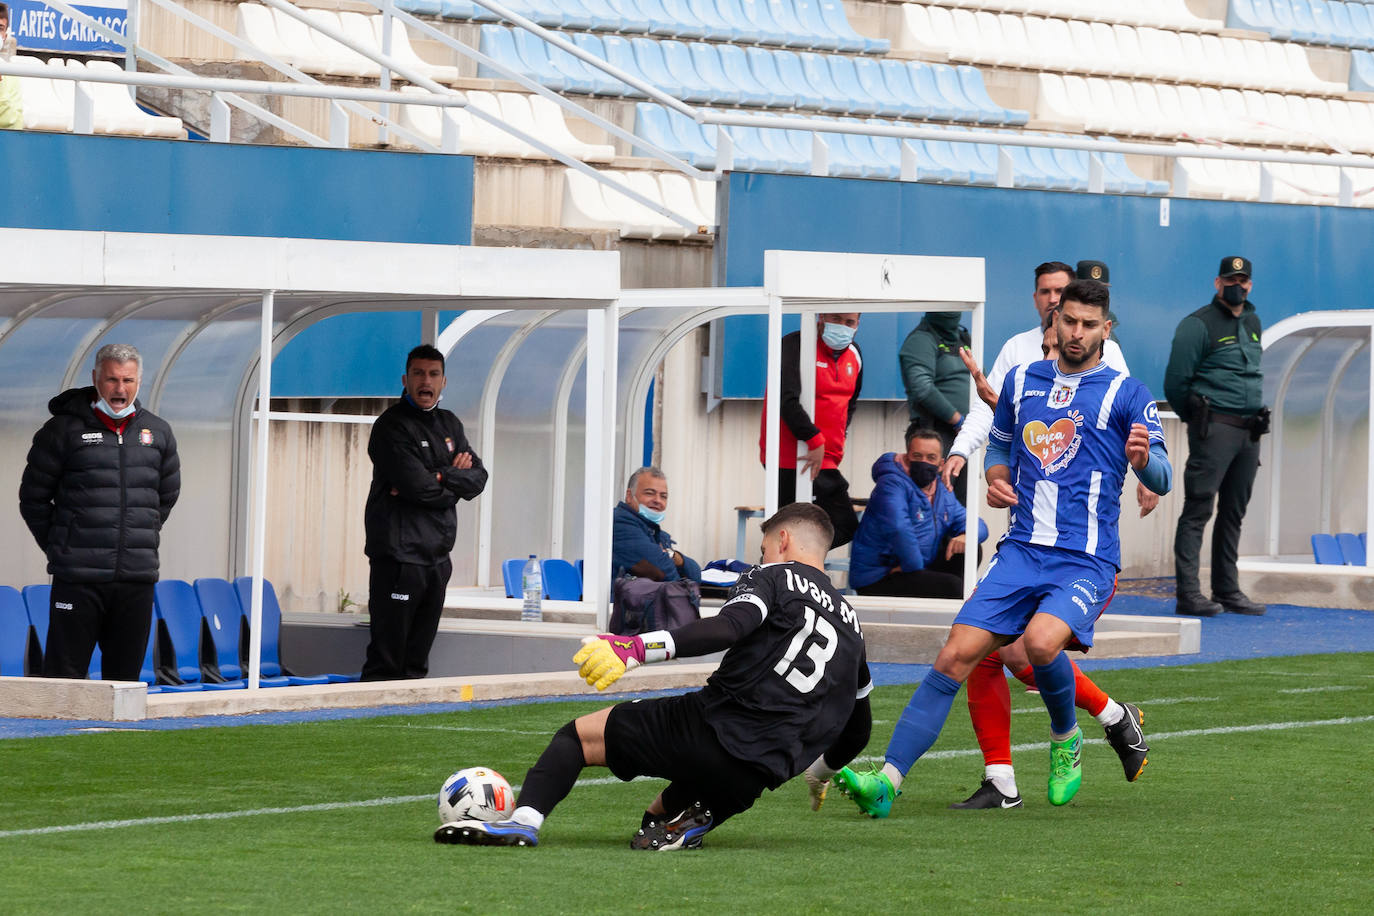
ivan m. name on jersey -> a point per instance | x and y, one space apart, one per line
1067 436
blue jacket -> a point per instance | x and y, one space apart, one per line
900 527
635 538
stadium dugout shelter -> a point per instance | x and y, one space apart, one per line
206 310
1315 465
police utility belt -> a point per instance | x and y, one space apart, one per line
1203 415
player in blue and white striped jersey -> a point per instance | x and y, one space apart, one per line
1063 434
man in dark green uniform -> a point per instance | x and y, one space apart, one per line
1213 382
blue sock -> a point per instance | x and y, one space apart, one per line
1055 681
922 720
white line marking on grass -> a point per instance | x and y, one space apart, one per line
611 780
1161 701
1327 689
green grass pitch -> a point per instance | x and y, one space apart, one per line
1255 800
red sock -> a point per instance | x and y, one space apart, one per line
1026 676
1087 696
989 706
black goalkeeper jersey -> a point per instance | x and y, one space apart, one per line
785 690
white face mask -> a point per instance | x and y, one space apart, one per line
113 414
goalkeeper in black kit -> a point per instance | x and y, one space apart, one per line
792 690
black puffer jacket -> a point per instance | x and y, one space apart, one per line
417 523
96 501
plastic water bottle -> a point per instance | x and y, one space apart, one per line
532 584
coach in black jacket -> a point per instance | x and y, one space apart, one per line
101 478
421 466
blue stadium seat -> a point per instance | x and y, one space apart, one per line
843 161
511 571
752 154
687 25
1288 27
798 36
1322 21
760 17
1058 179
652 122
175 605
735 63
706 60
224 622
1361 24
498 43
1341 26
1326 551
842 71
1077 165
947 80
36 601
1307 27
923 81
604 83
898 79
1115 163
464 9
971 80
620 53
420 7
871 79
745 32
978 160
14 633
580 73
660 23
766 72
535 52
790 72
872 157
677 56
833 15
1254 15
270 644
1351 549
809 15
714 26
632 19
604 17
791 147
817 73
698 139
561 581
1361 71
649 59
575 16
544 14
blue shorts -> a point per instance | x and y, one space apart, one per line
1025 579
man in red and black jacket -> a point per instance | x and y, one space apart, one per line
839 378
100 480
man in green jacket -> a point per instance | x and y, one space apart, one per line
937 383
1213 382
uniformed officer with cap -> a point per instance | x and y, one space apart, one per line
1097 270
1213 382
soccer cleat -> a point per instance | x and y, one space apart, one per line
1066 770
816 788
1128 741
682 832
871 791
988 796
487 833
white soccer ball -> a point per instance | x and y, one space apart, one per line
475 794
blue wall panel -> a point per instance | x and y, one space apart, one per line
1305 257
116 184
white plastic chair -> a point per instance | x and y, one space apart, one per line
1149 114
497 141
989 45
1128 46
1042 53
404 52
1086 56
1052 102
342 60
1102 114
646 184
42 108
583 205
117 113
255 24
917 33
705 192
1016 46
552 127
636 220
515 111
299 48
679 197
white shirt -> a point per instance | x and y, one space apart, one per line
1022 349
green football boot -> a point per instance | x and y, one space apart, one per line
1066 770
871 791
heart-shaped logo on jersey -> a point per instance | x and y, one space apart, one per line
1048 442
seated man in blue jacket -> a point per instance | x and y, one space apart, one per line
638 545
910 542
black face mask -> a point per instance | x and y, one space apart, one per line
1233 295
922 473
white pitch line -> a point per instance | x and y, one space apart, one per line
611 780
1327 689
1162 701
462 728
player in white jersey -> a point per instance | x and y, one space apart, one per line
1063 434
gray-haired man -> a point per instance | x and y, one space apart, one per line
101 478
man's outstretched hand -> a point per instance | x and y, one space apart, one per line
603 659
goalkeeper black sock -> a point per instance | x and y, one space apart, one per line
552 777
